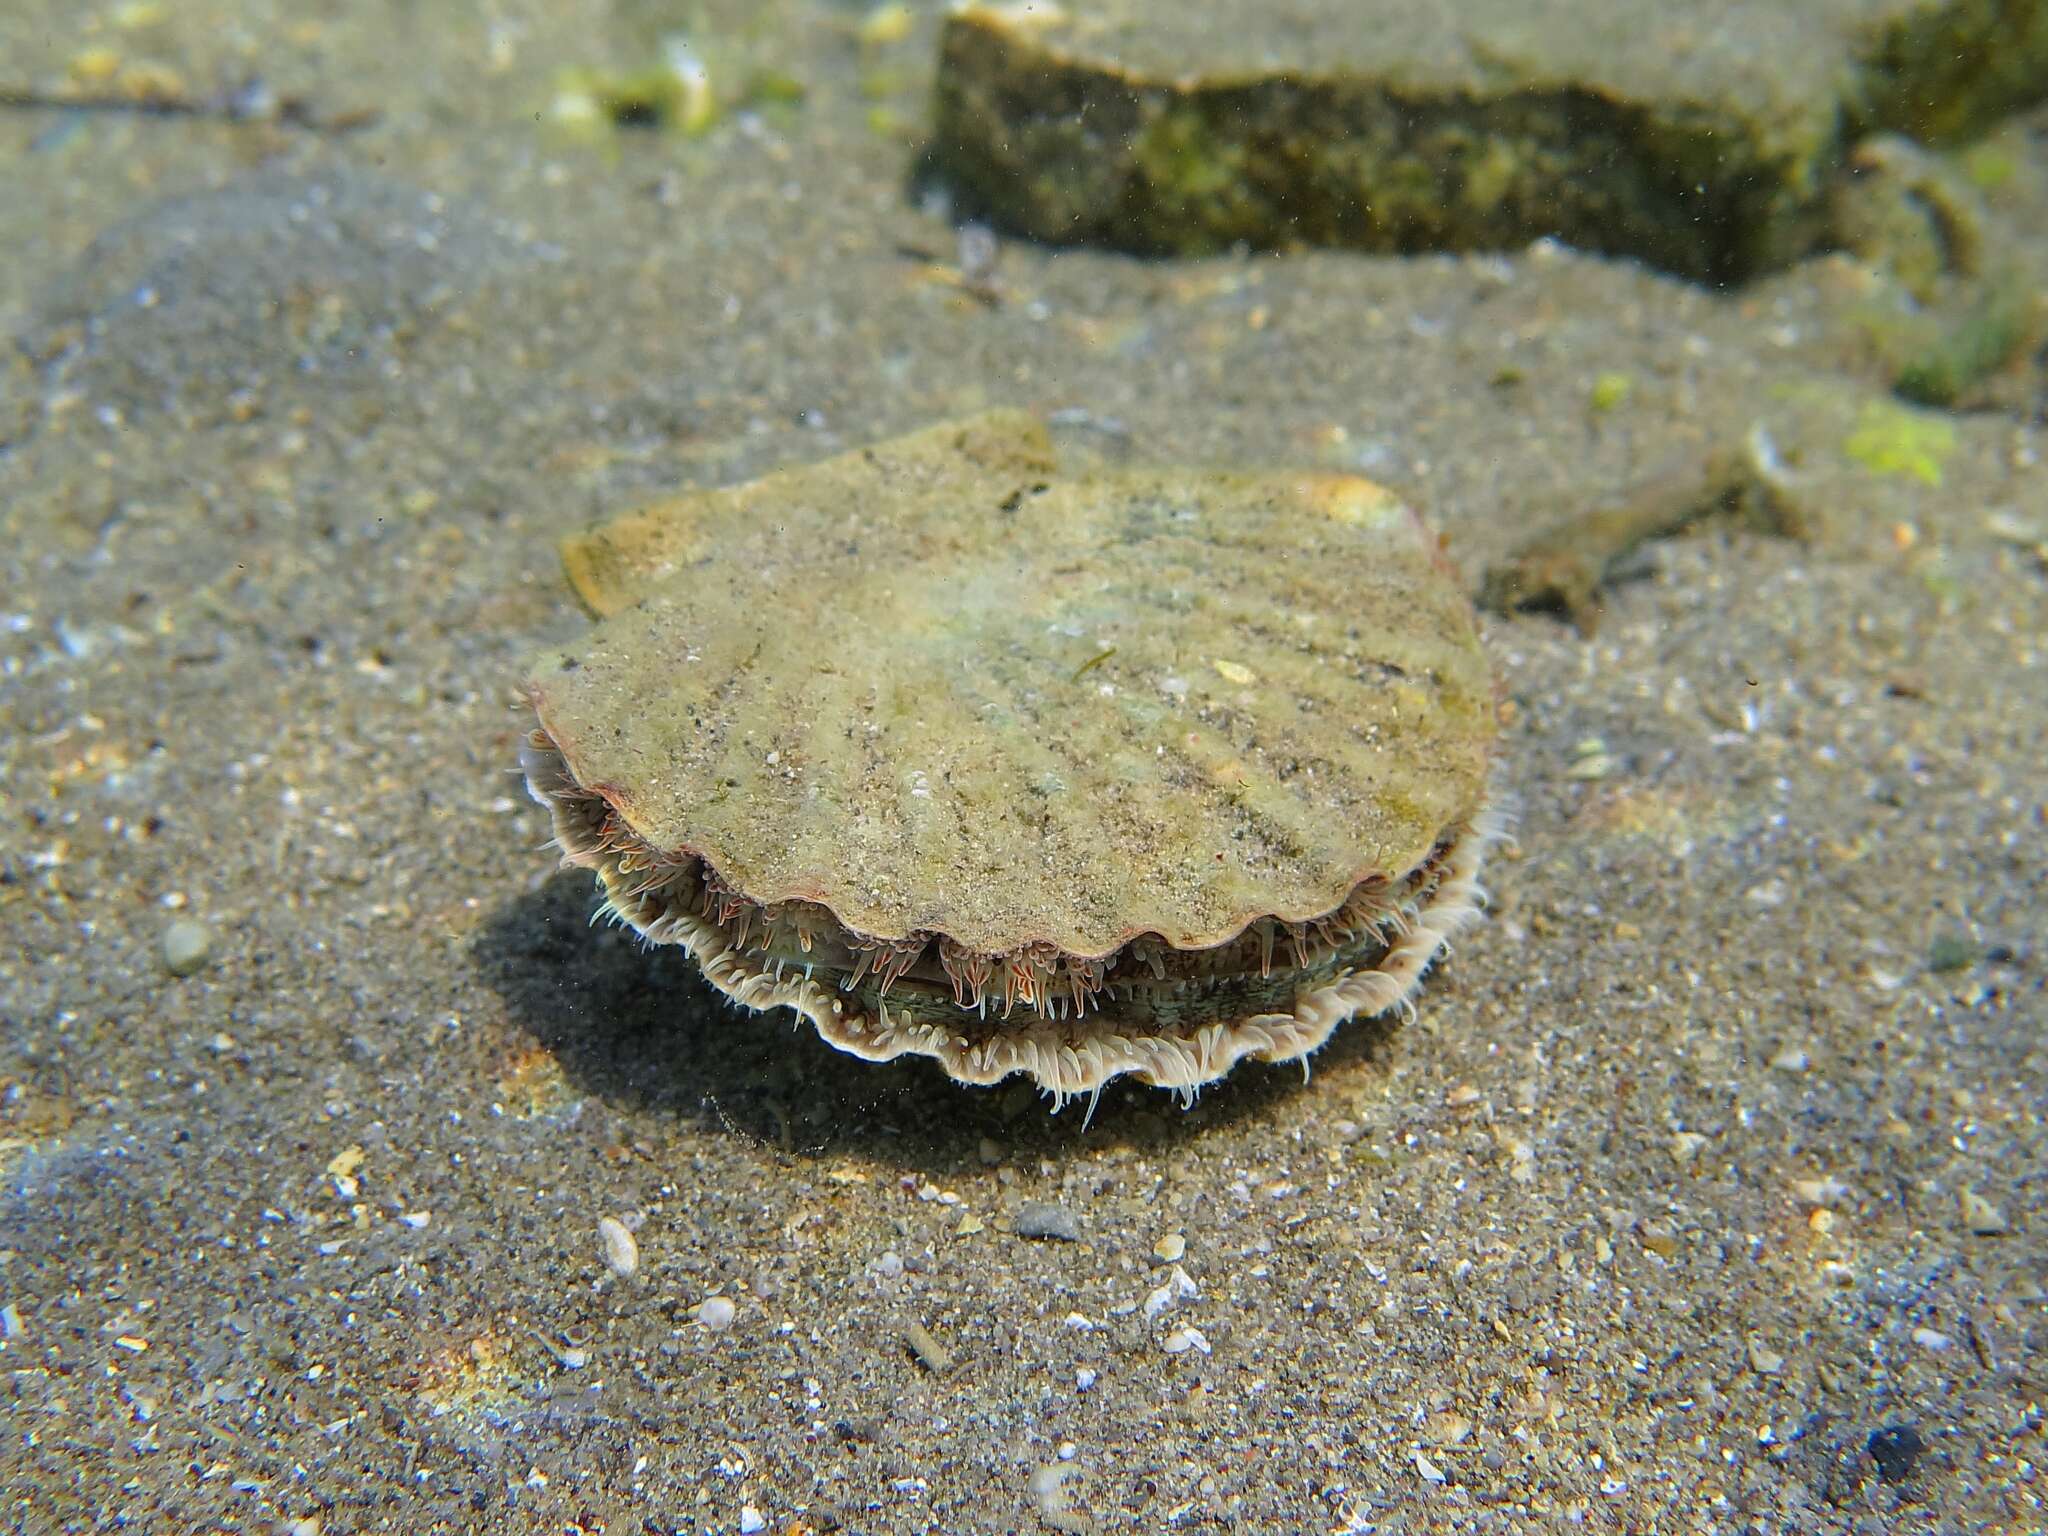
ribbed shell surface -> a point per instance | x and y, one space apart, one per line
975 698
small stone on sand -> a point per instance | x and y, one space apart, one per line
1895 1449
186 946
930 1353
1980 1215
1041 1218
621 1252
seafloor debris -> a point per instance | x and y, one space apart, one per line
1955 291
1144 771
147 93
1567 568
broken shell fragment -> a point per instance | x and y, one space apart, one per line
1133 772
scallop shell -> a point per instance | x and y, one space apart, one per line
1142 771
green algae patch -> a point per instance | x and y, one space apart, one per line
1891 440
1700 139
1609 391
683 85
1989 165
673 92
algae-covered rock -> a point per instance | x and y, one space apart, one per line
1957 287
1943 72
1701 138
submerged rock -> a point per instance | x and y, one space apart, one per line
1700 138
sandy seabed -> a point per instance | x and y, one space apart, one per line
1714 1152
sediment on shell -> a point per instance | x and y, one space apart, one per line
1176 1018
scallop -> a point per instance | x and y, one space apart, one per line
1140 771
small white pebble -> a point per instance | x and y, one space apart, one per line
716 1313
1178 1287
1084 1379
751 1521
1825 1190
10 1322
1181 1340
1046 1491
1170 1249
186 946
621 1252
417 1219
1591 761
1932 1338
1980 1215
